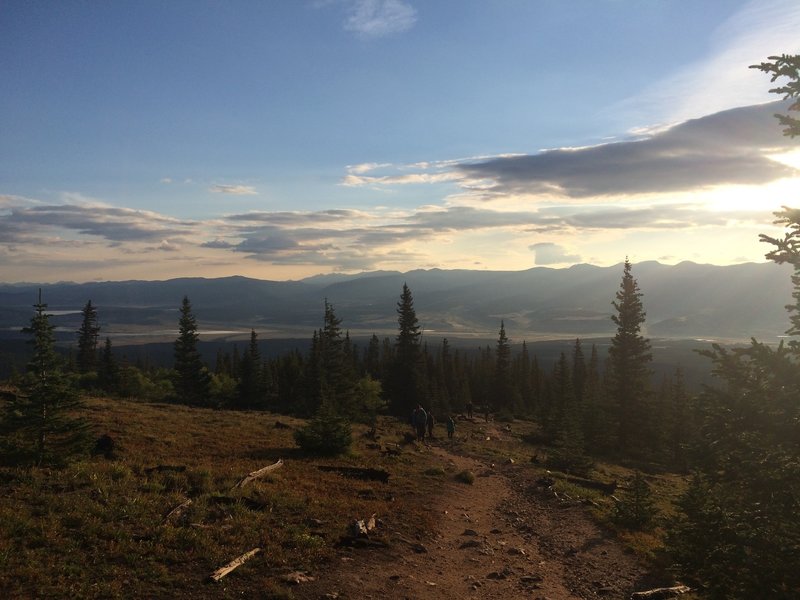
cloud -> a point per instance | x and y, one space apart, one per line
237 190
721 79
726 148
113 224
548 253
378 18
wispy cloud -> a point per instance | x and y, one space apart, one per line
721 79
237 190
378 18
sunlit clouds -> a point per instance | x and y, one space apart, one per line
283 140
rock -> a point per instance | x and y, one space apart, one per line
471 544
517 551
470 532
297 578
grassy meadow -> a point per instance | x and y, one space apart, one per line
98 528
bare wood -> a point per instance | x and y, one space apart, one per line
661 593
260 473
235 563
177 511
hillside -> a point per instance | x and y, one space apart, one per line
687 300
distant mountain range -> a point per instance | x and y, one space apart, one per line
688 300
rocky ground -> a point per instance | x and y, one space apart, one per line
504 536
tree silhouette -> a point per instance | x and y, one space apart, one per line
629 360
191 379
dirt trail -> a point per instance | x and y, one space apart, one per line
501 537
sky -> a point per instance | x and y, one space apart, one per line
283 139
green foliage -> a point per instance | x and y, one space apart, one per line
191 377
636 509
467 477
629 360
327 434
406 385
87 339
788 66
39 425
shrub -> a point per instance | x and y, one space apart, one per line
635 509
465 476
327 434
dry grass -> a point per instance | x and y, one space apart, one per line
96 528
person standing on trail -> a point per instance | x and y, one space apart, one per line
430 422
451 427
420 421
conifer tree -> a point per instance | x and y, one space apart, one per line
191 379
406 382
503 397
250 390
87 339
742 506
629 360
108 370
337 375
39 426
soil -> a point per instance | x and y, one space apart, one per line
504 536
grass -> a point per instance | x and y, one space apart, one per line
96 528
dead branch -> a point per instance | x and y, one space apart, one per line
661 593
235 563
176 512
257 474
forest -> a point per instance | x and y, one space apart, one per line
734 532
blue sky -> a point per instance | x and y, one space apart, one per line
148 140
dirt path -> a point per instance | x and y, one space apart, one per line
498 538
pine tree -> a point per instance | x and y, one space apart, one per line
629 360
108 370
337 374
738 534
191 379
87 339
406 381
250 390
40 426
504 397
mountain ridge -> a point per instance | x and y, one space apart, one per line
684 300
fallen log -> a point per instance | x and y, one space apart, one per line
176 512
260 473
235 563
661 593
358 473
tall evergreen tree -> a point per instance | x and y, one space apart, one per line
250 390
39 426
503 400
629 362
191 379
338 380
741 509
108 375
406 389
87 339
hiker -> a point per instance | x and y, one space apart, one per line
430 422
451 427
420 421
